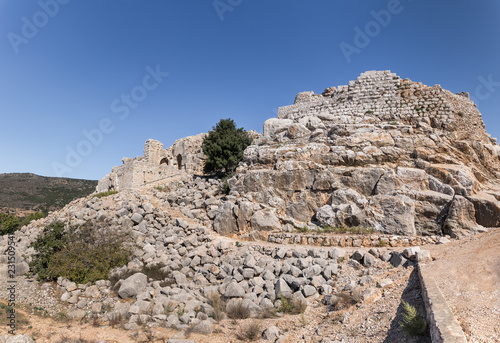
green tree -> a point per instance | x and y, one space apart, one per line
224 146
8 223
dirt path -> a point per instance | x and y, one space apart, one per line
468 274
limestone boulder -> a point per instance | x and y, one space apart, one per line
487 209
265 220
133 285
394 214
225 219
461 218
296 131
274 126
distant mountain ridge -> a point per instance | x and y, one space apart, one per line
22 193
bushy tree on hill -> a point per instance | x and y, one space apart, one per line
80 253
224 146
8 223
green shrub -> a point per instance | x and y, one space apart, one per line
225 187
412 322
32 216
81 253
46 245
345 229
158 272
292 306
8 223
103 194
224 146
303 229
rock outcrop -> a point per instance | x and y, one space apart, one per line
381 152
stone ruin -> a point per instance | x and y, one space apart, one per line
157 165
383 152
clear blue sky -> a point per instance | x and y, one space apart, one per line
69 66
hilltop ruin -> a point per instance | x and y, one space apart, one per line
382 152
157 165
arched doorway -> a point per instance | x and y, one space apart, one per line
179 161
164 161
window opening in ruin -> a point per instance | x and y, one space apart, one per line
164 161
179 161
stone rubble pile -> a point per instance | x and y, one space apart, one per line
168 231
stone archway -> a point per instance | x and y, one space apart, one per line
164 161
179 161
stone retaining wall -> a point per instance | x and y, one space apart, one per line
371 240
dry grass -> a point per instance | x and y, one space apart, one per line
343 301
116 319
217 304
238 311
250 332
267 313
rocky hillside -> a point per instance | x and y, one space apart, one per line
170 228
409 163
382 152
21 193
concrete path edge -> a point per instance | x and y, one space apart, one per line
443 325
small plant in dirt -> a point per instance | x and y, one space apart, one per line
117 319
303 229
292 306
5 311
251 332
103 194
382 242
80 253
303 320
412 322
224 187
